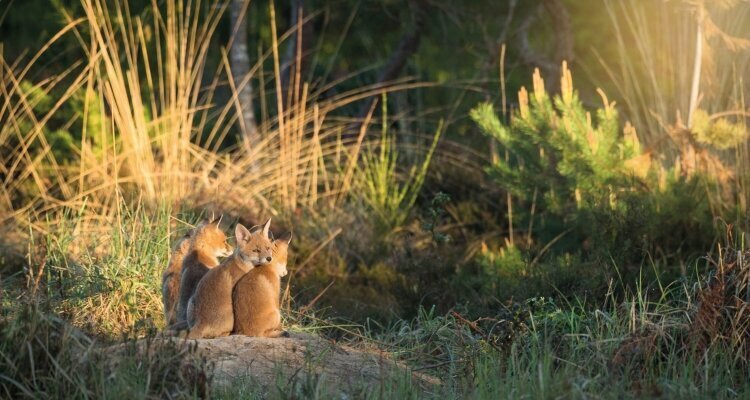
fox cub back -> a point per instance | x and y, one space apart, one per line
207 243
170 279
210 311
256 296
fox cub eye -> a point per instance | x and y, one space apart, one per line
256 251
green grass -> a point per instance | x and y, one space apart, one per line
43 356
569 352
90 233
641 344
542 348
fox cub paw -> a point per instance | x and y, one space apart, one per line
285 334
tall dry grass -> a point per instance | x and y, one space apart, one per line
656 49
676 60
154 132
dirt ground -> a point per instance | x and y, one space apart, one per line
300 359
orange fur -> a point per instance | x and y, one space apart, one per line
170 279
210 311
257 311
207 244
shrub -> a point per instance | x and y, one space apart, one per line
585 192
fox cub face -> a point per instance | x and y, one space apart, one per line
209 238
253 246
280 252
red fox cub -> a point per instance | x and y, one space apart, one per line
256 296
210 311
170 279
206 244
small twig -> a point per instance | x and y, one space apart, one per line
440 364
287 296
475 328
472 325
34 277
315 300
317 250
548 245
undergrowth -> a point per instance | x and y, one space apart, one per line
43 356
688 338
571 266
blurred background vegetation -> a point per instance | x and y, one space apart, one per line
424 152
438 162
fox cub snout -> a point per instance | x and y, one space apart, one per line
210 311
207 242
256 296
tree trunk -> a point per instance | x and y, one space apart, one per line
406 48
239 60
561 25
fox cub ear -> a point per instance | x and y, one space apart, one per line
241 234
286 238
208 220
266 227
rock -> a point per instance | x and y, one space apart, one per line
339 370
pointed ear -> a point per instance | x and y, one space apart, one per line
285 238
207 220
266 228
241 234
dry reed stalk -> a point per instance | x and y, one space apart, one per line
160 136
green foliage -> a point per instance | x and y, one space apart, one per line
435 212
499 274
110 287
593 205
390 194
506 265
557 151
550 347
560 163
65 129
588 209
719 133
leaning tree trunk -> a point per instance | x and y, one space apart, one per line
408 45
563 46
240 65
